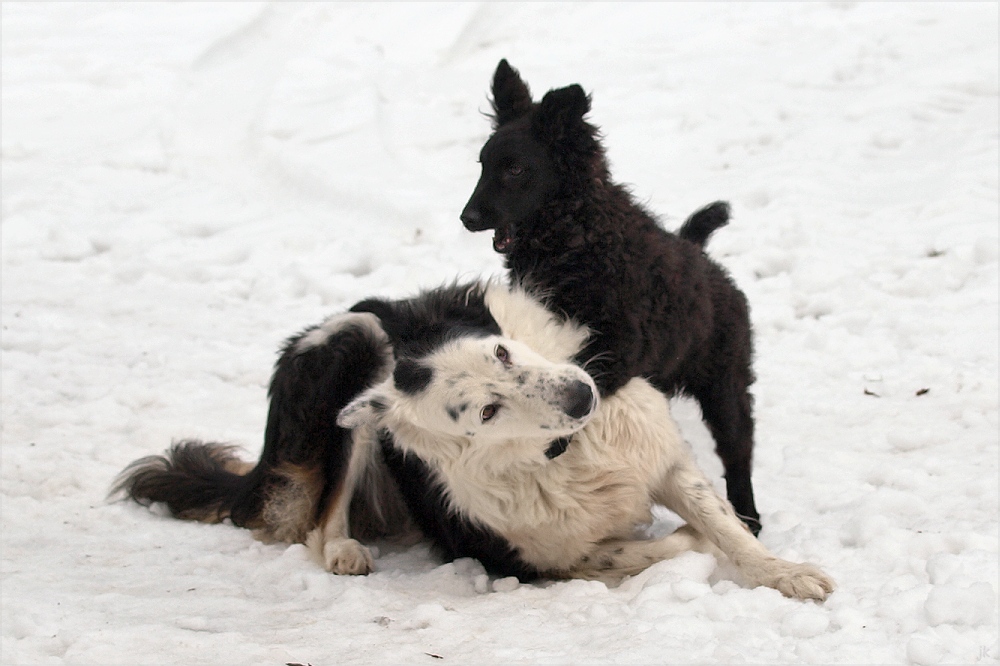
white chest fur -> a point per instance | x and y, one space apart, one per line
554 511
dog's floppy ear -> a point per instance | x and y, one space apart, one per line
511 97
561 112
394 318
367 408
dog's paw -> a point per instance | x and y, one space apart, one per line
799 581
347 556
341 556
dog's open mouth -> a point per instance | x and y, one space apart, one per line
503 238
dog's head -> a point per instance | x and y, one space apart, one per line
482 389
538 152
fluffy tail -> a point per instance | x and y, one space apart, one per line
702 223
196 480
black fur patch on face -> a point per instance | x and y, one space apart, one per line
410 377
452 413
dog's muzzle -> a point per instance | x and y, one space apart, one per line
503 234
473 220
579 401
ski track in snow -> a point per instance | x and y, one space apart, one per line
186 185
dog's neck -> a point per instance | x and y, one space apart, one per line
450 454
567 224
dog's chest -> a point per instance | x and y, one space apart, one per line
552 512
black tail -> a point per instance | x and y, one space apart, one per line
703 222
196 480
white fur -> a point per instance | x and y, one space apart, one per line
521 317
329 542
528 391
575 515
336 323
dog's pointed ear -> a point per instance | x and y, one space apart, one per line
561 111
366 409
511 96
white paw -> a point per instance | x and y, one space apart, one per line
798 581
347 556
340 555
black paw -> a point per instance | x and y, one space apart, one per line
752 523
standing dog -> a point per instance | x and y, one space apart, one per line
657 306
442 412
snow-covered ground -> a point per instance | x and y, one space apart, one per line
186 184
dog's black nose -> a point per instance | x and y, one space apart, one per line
579 400
472 219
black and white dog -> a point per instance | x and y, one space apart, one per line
459 413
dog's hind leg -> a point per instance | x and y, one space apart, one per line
330 541
728 412
614 559
687 492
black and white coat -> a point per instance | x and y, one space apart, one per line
460 415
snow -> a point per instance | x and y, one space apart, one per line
187 184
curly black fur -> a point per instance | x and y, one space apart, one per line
658 306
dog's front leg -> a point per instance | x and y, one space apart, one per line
687 492
612 560
330 541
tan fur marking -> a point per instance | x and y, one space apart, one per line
289 509
237 466
330 541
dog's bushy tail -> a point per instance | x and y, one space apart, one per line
703 222
196 480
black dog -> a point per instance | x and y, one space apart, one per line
657 305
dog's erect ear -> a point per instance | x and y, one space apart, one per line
511 97
367 408
561 111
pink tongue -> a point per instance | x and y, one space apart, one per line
501 240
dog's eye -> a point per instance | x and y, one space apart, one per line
502 354
489 411
515 170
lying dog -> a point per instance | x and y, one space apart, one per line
658 307
460 412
